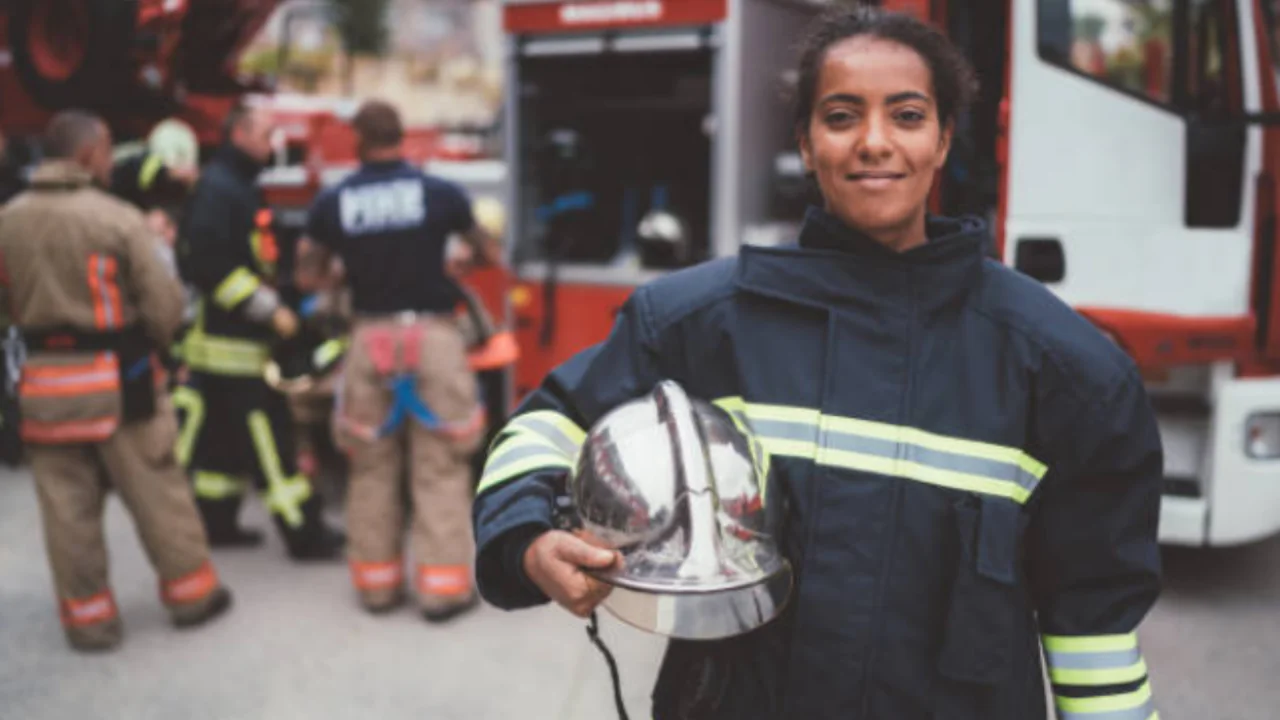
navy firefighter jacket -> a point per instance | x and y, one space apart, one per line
971 470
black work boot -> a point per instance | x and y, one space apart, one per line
222 524
313 539
325 543
236 537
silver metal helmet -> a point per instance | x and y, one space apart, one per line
680 488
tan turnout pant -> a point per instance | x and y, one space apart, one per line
429 351
138 462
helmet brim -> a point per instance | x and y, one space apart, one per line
703 615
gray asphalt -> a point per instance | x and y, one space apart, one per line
295 645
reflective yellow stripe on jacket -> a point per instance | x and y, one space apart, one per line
238 285
547 440
1099 677
218 355
540 440
893 450
224 356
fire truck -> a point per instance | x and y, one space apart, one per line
1125 153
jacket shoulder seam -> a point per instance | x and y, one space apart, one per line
673 318
1114 377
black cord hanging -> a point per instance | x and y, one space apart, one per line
593 632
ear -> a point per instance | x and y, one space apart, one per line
944 143
806 149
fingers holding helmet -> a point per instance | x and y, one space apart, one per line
559 563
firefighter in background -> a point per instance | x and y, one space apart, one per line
407 390
162 174
94 302
969 470
234 424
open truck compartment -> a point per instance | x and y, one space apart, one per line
615 138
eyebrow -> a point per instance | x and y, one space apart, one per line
891 100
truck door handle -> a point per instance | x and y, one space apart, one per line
1041 258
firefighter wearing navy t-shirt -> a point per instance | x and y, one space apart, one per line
407 393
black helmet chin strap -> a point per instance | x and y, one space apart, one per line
565 517
593 632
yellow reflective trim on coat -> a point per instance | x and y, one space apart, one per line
190 401
897 451
1106 703
236 287
1098 678
224 356
915 436
150 170
523 467
285 495
329 351
538 440
1090 643
529 421
217 486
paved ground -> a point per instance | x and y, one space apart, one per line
295 647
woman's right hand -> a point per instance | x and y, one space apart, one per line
555 562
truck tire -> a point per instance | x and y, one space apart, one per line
72 52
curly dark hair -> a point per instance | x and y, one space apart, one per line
955 84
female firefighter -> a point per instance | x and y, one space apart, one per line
971 470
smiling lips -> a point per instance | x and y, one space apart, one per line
875 179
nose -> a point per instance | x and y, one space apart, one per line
874 144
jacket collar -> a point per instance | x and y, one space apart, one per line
60 175
240 162
834 266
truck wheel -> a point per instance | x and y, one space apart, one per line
70 52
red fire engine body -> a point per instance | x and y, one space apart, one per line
1125 154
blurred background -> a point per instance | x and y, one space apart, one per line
1125 153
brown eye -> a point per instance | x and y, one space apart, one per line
911 117
839 118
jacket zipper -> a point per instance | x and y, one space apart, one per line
876 641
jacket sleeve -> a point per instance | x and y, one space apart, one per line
1094 559
156 292
532 454
211 265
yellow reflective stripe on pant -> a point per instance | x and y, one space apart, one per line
224 356
235 287
540 440
217 486
192 404
285 495
894 450
1093 677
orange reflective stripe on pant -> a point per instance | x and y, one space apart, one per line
377 575
444 579
88 611
92 430
192 587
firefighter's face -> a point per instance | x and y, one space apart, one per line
97 157
874 141
254 136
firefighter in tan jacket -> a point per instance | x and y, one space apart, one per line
89 290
